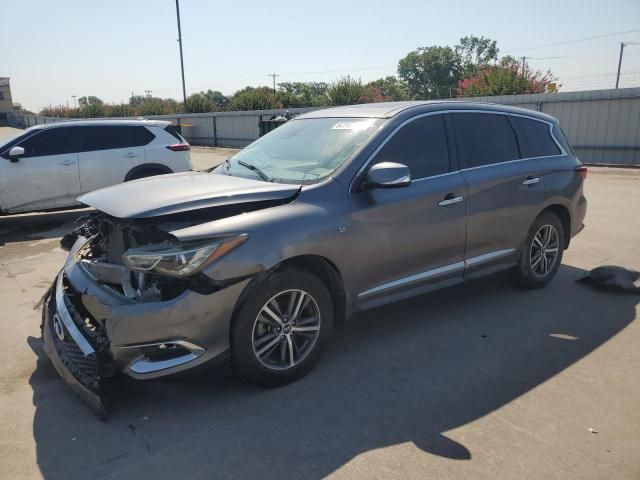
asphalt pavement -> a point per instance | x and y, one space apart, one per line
482 380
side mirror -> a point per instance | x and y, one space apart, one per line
387 175
16 152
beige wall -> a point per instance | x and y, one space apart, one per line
6 104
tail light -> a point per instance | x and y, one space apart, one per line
179 147
582 171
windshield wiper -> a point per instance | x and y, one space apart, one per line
253 168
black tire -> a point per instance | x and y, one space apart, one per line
148 172
247 330
531 272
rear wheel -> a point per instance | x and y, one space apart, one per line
541 253
280 331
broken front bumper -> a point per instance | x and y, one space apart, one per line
71 354
142 339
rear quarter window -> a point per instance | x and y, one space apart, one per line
140 136
534 138
172 131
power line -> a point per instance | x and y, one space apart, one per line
341 70
601 74
584 39
579 58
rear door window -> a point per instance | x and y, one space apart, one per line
485 138
108 137
421 145
52 141
534 138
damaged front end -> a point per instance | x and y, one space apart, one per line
132 299
133 296
78 349
104 240
142 261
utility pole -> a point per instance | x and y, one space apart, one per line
184 89
74 101
274 83
622 45
523 64
148 93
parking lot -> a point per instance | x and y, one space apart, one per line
480 381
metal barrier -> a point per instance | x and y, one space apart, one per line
603 126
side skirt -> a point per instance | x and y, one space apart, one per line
435 279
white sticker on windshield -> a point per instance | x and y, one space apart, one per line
355 125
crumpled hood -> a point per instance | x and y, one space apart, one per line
181 192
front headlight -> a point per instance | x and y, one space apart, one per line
179 260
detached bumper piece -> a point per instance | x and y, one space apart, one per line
79 355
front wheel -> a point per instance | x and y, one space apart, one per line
541 253
281 329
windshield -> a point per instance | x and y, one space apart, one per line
301 151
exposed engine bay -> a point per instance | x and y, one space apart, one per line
108 238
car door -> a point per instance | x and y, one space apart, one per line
45 176
109 152
505 190
412 237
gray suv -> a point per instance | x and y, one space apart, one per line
336 211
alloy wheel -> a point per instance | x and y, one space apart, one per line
544 250
286 329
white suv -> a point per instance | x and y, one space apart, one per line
48 166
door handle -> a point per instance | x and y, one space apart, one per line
131 155
531 181
66 162
450 200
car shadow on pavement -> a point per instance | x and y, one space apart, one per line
406 372
38 226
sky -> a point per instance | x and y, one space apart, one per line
53 50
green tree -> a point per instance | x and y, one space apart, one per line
390 89
119 110
209 101
136 100
58 111
254 98
218 99
346 91
156 106
430 72
91 107
475 53
199 103
303 94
